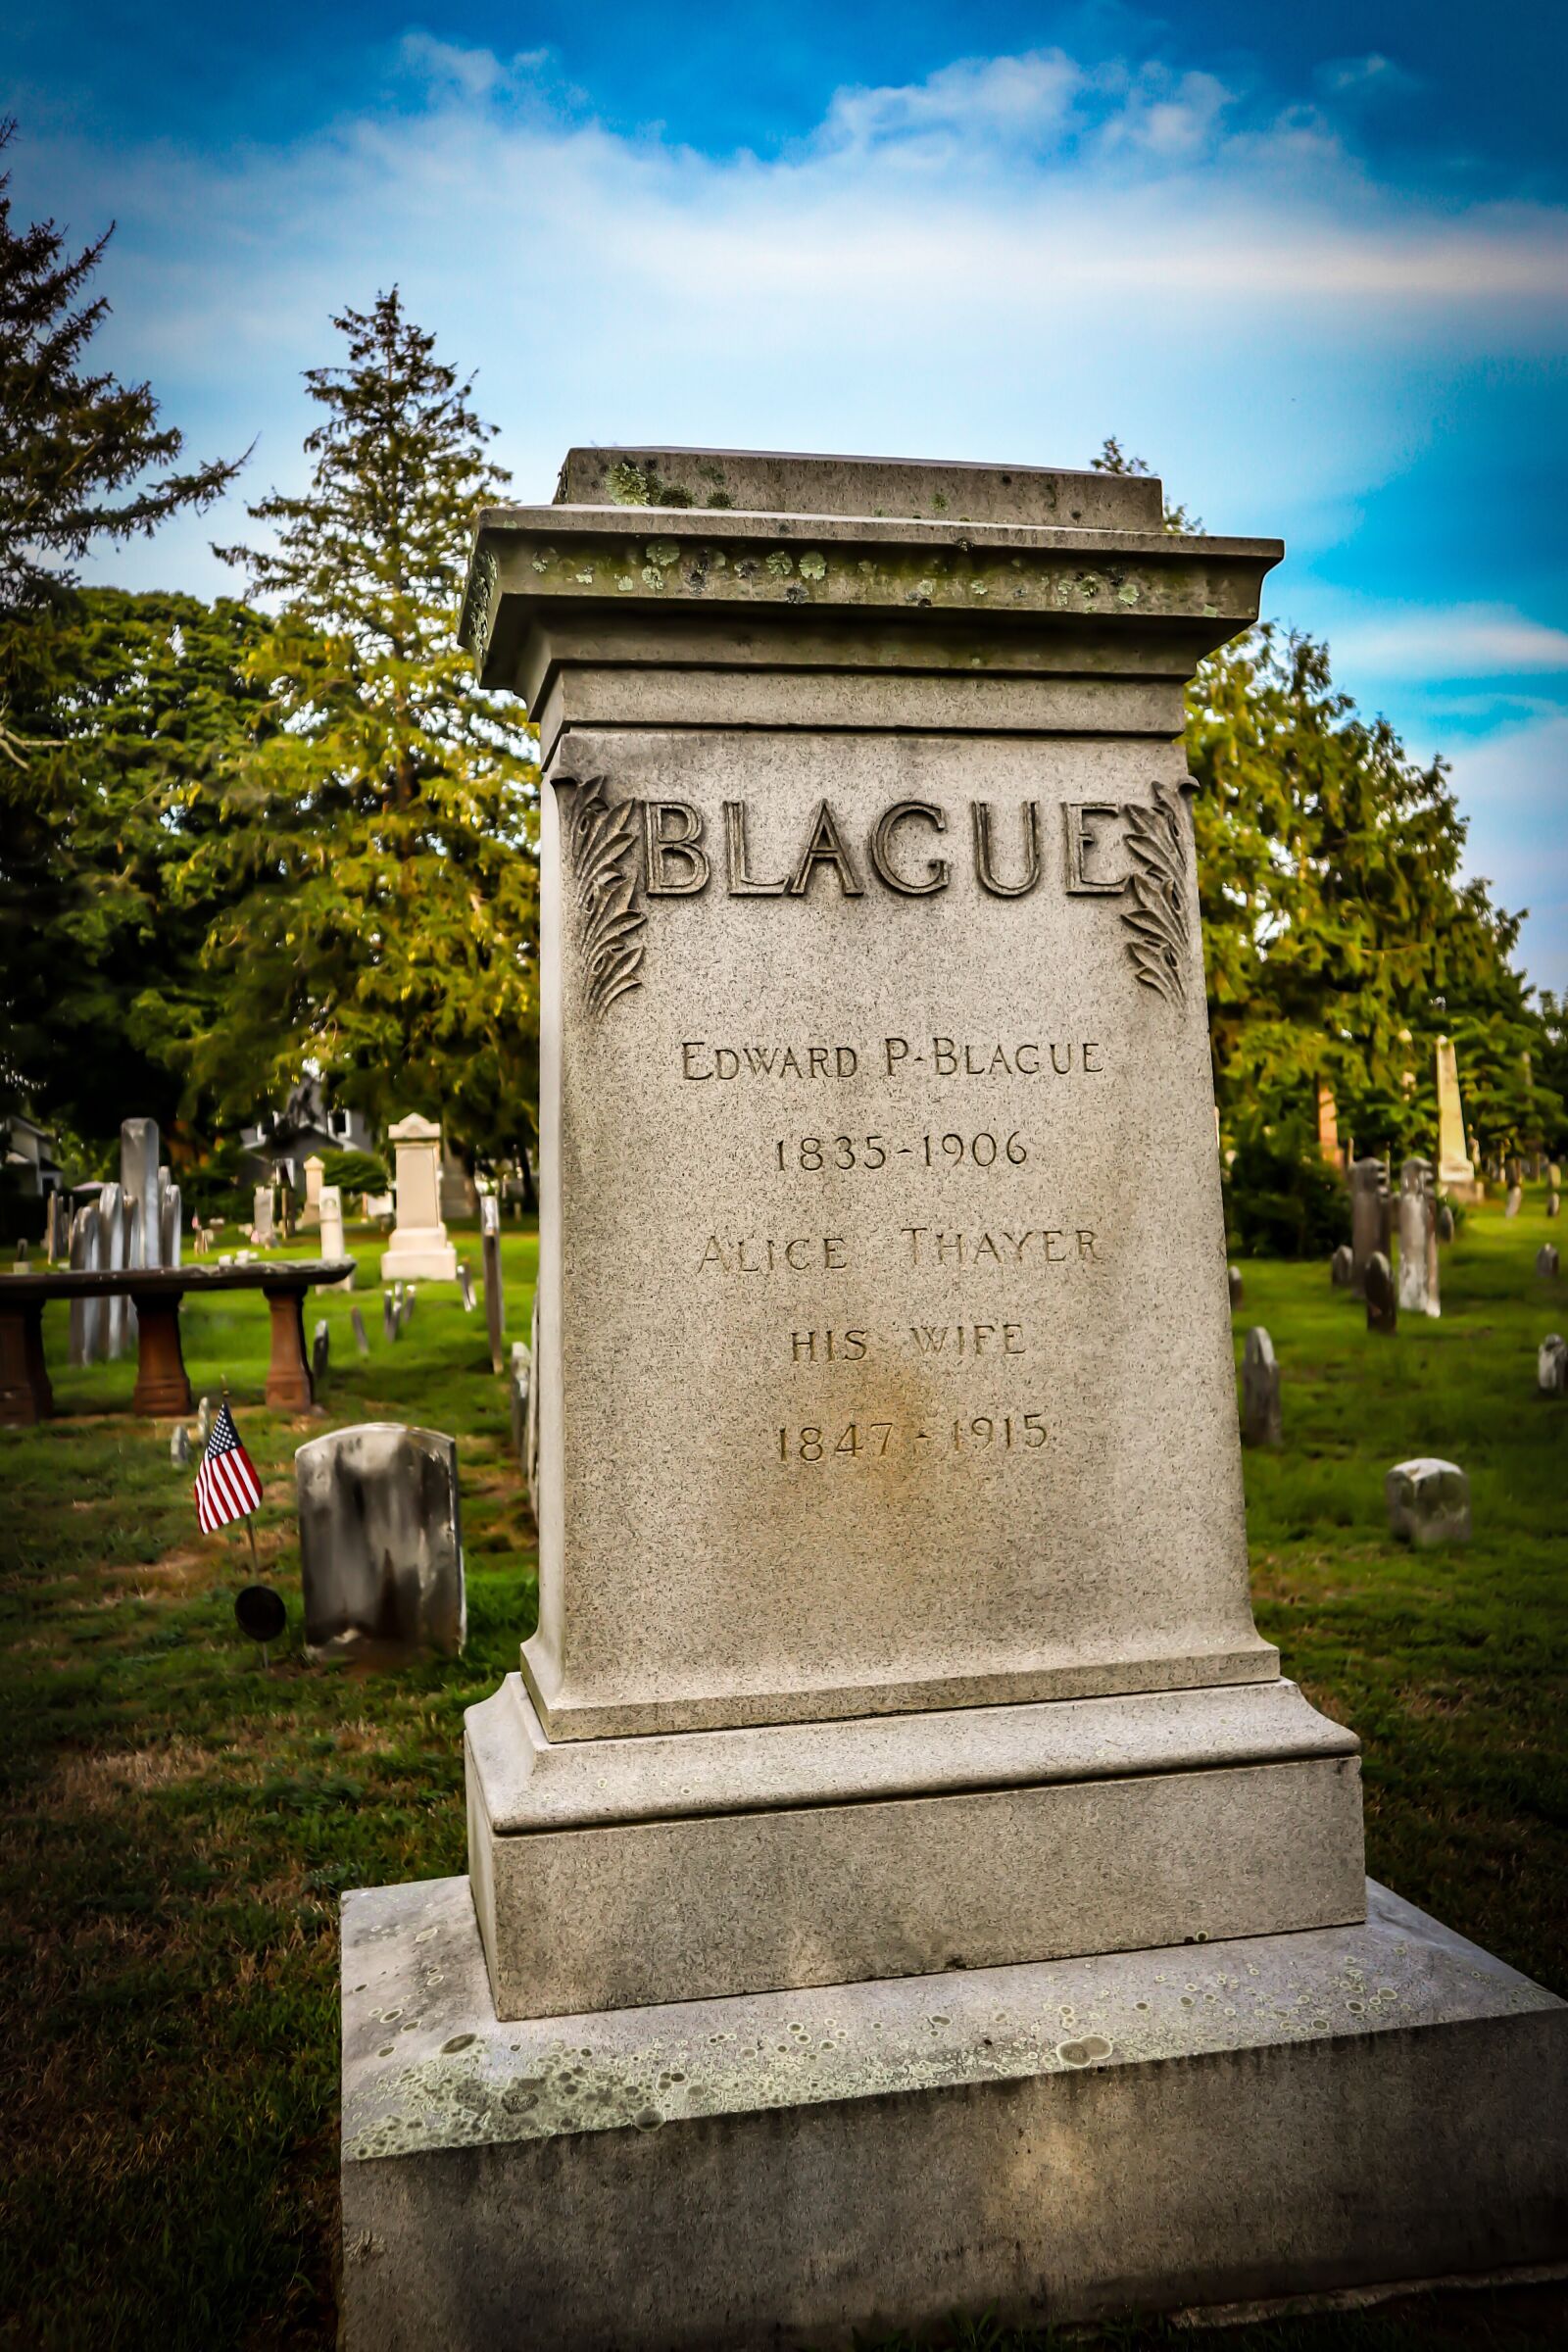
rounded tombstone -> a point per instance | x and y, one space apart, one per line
1428 1501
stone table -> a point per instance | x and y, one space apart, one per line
155 1293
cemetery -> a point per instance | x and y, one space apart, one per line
783 1399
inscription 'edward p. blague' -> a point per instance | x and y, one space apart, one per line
702 1058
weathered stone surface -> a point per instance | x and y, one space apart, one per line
262 1224
1429 1502
1382 1305
139 1149
179 1445
1261 1390
522 1381
170 1251
1445 1222
1418 1238
1233 1281
87 1319
495 1310
1516 1200
330 1212
389 1316
204 1420
381 1540
419 1249
1546 1260
320 1350
1551 1365
357 1320
1456 1172
1346 2107
1368 1218
465 1285
1555 1204
115 1243
1340 1267
310 1207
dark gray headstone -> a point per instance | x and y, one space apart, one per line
1368 1219
1340 1267
1418 1238
86 1314
1261 1390
360 1339
320 1350
381 1540
1429 1502
1551 1365
1233 1277
1382 1310
390 1316
1445 1222
1546 1260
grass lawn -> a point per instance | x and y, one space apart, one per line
177 1824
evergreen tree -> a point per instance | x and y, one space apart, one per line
376 841
83 458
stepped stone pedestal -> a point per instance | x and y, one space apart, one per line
419 1251
899 1878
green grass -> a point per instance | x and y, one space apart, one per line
177 1824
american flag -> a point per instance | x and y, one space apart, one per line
227 1487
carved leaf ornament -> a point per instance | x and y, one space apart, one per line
1158 918
603 854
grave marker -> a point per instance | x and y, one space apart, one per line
1429 1502
1261 1390
1551 1365
381 1540
1418 1240
361 1342
495 1312
1368 1218
418 1246
1382 1304
1547 1261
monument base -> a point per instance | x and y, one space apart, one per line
421 1253
1285 2115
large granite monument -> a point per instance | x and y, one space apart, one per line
896 1726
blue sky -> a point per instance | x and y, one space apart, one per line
1312 264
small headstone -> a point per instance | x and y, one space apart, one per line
1546 1260
20 1263
57 1238
1551 1365
204 1419
1555 1204
1382 1310
1429 1502
1340 1267
360 1339
1516 1200
1261 1390
465 1285
1445 1222
86 1314
1554 1175
329 1214
310 1211
1368 1204
178 1445
521 1357
390 1316
320 1350
518 1388
1233 1275
226 1257
406 1306
261 1226
381 1540
1417 1239
495 1314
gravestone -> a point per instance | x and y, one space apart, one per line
1233 1284
1382 1304
311 1210
1551 1365
1516 1200
320 1350
1429 1502
139 1148
329 1214
381 1540
115 1243
466 1286
390 1316
1445 1227
1261 1390
895 1723
204 1419
495 1310
357 1320
57 1228
170 1241
1418 1240
522 1377
419 1245
1340 1267
1546 1260
180 1446
1368 1219
1555 1204
1456 1170
87 1335
262 1228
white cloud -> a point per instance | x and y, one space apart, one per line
1460 641
1515 789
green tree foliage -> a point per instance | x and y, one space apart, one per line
82 459
375 848
1341 942
147 701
